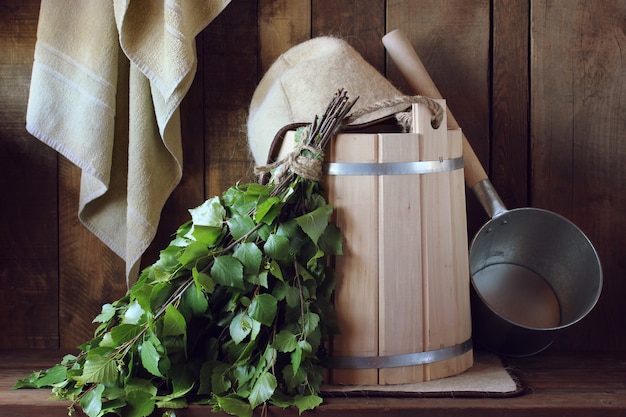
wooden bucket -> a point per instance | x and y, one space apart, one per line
402 295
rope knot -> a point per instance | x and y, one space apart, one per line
308 167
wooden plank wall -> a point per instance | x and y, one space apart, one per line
29 228
578 146
537 86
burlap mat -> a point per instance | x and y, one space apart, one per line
488 377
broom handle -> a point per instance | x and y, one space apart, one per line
410 65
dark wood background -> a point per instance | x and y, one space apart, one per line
538 86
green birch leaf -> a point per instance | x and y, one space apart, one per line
307 402
294 378
310 321
232 195
292 296
293 231
107 313
174 344
167 262
258 279
240 327
193 252
209 213
207 235
159 295
296 359
107 341
314 338
282 400
176 404
203 281
242 206
98 368
277 247
245 301
219 380
315 222
264 232
256 329
243 373
68 359
195 301
328 315
184 228
326 289
123 333
47 378
113 392
112 406
206 371
150 358
141 384
133 314
312 263
52 376
95 350
239 225
263 308
304 273
182 382
262 364
270 356
139 404
141 293
253 191
174 323
305 346
228 271
316 200
181 241
267 211
235 406
30 381
102 327
331 242
285 341
205 380
250 256
275 270
91 402
242 352
263 389
280 290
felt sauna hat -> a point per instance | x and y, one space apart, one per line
301 83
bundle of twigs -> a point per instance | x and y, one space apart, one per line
234 313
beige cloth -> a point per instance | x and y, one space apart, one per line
488 377
114 114
301 83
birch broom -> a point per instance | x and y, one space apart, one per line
235 311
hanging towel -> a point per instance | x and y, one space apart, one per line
107 82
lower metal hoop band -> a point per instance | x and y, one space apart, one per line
393 168
394 361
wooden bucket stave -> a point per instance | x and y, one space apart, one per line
402 297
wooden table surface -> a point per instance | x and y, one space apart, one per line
569 385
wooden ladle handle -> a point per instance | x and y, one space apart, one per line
411 67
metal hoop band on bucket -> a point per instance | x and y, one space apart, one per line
393 361
393 168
